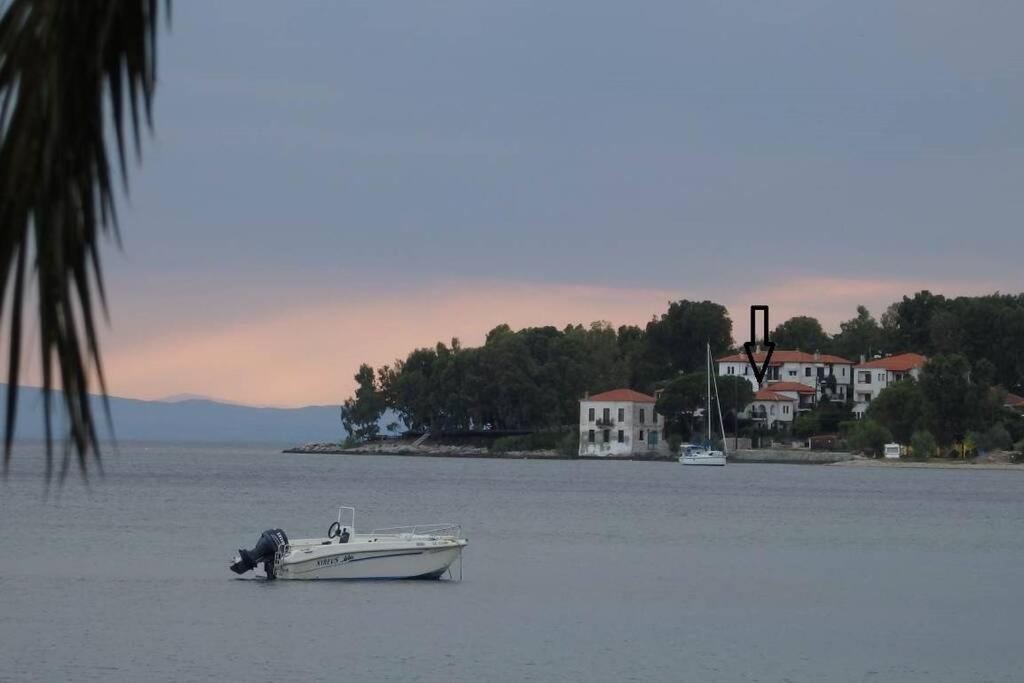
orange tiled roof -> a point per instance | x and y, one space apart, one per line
620 395
899 363
769 395
791 386
780 356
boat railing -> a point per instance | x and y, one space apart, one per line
434 530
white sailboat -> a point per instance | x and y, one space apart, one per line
704 454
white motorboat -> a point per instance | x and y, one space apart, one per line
423 551
705 454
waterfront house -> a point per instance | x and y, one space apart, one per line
772 409
871 377
829 376
1014 402
621 422
803 394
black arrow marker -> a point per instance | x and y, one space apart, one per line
759 371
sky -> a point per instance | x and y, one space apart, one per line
340 182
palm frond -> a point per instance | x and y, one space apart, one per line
67 71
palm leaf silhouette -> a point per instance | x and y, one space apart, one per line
71 74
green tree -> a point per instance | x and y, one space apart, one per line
801 332
360 415
68 72
907 323
922 444
945 386
900 408
680 400
676 341
858 336
734 393
806 425
869 437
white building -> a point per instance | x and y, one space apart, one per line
772 409
620 422
831 377
804 395
871 377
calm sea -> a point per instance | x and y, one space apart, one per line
576 571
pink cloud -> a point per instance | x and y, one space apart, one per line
302 349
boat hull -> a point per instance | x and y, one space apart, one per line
423 562
713 460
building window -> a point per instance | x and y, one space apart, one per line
654 438
773 410
785 410
821 371
807 372
590 415
643 415
865 377
622 436
590 436
641 435
607 435
792 373
844 371
746 369
607 415
622 414
881 377
731 370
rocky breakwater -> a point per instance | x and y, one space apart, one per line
782 456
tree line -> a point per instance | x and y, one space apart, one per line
533 378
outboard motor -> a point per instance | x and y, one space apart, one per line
270 542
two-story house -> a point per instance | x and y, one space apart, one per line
772 409
620 422
1014 402
871 377
831 377
801 393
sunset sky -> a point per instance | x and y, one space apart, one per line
338 182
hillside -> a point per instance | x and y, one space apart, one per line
190 420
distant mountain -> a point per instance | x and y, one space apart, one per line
189 419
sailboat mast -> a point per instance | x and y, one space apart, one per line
707 419
721 423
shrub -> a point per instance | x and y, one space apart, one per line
537 441
998 438
994 438
806 425
674 442
922 443
869 437
570 444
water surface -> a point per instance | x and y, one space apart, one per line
587 571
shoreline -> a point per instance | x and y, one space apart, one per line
765 456
931 464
